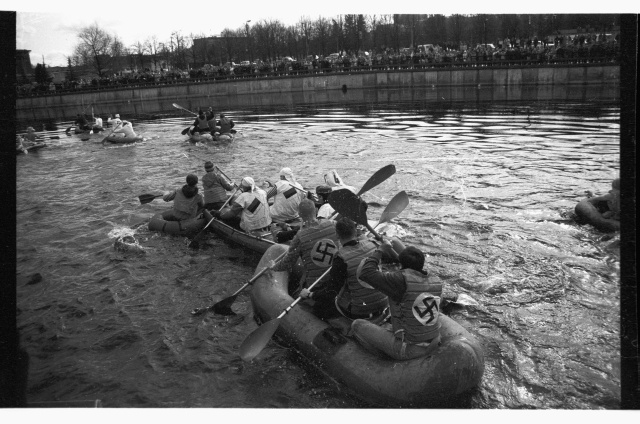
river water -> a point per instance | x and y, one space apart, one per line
491 190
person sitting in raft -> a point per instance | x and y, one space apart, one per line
334 182
186 200
225 124
126 129
82 123
201 124
115 121
31 135
414 301
609 204
316 243
288 195
215 188
211 120
20 144
250 206
342 293
98 121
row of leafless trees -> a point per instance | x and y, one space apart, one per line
269 40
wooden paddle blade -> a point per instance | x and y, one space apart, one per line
380 176
348 204
185 131
258 339
146 198
395 207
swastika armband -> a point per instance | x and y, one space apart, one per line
426 308
323 252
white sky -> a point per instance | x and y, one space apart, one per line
50 28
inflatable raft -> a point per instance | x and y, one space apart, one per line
77 130
590 212
225 137
200 138
115 139
32 148
258 243
453 369
181 228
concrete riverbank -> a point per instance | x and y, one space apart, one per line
570 82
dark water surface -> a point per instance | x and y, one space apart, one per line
490 187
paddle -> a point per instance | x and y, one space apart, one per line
112 131
258 339
186 130
146 198
380 176
224 306
177 106
354 208
198 237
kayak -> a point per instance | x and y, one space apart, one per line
182 228
33 148
113 138
258 243
590 213
436 380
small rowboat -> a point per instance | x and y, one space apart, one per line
591 213
439 379
115 139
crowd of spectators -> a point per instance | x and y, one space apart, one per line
566 50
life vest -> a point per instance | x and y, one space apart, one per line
225 125
202 123
416 318
319 245
355 298
286 202
185 207
255 210
213 190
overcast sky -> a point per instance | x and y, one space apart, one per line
50 28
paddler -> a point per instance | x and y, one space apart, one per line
414 302
126 129
225 124
31 135
287 194
316 243
250 208
186 200
215 187
115 121
342 293
612 201
201 124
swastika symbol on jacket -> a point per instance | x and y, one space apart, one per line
425 304
323 252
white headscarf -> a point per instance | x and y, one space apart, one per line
334 181
288 174
248 182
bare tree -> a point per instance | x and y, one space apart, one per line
153 46
139 49
322 28
94 47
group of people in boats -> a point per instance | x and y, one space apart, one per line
23 142
354 287
206 123
121 127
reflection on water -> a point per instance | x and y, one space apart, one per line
491 188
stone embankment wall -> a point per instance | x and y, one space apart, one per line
504 84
